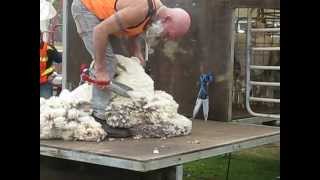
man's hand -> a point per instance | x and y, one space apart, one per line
52 76
101 74
141 58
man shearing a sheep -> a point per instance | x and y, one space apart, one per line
97 20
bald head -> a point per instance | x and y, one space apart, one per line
176 22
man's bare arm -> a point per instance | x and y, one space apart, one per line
134 47
125 18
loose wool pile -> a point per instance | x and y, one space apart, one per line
69 118
148 113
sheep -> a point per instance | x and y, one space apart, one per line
148 113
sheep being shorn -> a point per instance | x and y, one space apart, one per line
148 113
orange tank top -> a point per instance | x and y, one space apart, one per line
106 8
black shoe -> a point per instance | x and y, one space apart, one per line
114 132
117 132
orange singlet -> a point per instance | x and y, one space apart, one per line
106 8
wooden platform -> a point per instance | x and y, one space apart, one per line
207 140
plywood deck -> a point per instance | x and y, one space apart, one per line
207 140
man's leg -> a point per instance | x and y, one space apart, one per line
196 108
85 22
205 106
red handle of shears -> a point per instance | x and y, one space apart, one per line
86 77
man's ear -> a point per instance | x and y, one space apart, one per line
166 18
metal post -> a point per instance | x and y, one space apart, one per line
64 42
179 172
228 167
248 54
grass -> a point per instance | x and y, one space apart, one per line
261 163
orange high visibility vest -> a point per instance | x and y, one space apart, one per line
106 8
44 71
